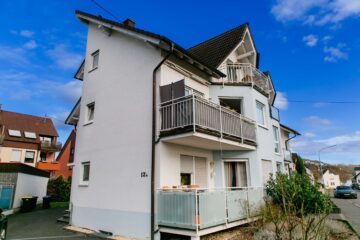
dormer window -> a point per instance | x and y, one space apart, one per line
31 135
14 133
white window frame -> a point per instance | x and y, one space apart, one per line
276 141
30 135
281 167
241 99
95 60
33 160
12 152
83 182
87 113
14 133
193 173
224 160
263 108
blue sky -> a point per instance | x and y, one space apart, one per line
311 47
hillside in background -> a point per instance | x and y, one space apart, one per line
345 171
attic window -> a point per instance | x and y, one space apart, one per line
14 133
31 135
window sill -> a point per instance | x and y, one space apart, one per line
83 185
93 69
278 154
263 126
88 123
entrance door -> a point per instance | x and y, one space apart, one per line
5 197
235 174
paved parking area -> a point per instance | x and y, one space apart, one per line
350 208
40 224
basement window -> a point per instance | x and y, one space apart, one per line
14 133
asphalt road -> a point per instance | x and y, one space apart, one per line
41 225
350 208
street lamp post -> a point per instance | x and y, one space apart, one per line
319 151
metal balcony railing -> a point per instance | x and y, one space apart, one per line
198 209
50 146
238 73
195 112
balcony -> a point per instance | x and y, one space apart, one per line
287 155
199 209
245 74
47 146
48 166
196 122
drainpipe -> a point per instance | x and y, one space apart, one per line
154 141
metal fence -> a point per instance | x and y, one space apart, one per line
196 111
198 209
245 73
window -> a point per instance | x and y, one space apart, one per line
85 173
90 112
234 104
14 133
267 170
278 167
276 139
30 135
29 156
260 113
193 170
235 174
95 57
42 157
16 155
45 139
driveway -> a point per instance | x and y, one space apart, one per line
350 208
40 224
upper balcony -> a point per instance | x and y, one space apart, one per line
196 122
48 166
47 146
245 74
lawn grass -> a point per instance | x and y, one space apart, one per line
59 204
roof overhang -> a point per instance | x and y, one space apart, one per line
73 117
154 39
79 75
290 130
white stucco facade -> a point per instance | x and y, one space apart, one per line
330 180
116 144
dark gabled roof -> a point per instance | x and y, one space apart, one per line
156 36
214 51
26 123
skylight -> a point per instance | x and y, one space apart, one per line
14 133
30 135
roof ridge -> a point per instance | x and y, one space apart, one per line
26 114
239 26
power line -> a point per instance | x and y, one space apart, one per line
329 102
104 9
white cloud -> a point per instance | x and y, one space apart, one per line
335 53
71 91
316 121
13 55
309 135
30 44
63 58
310 40
59 118
315 12
327 38
26 33
281 101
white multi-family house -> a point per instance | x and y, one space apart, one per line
330 180
356 178
171 140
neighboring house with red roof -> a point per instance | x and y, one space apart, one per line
28 139
66 157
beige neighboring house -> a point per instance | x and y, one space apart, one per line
330 180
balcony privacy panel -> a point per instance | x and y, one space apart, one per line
256 201
177 209
212 210
172 91
237 205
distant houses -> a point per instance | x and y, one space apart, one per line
356 178
330 180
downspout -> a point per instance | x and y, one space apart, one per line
288 140
154 141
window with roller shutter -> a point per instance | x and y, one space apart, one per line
193 171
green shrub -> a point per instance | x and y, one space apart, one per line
60 189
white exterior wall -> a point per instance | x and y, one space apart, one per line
118 142
29 185
331 181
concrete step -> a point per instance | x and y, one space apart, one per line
63 220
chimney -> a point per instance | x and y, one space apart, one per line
129 22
